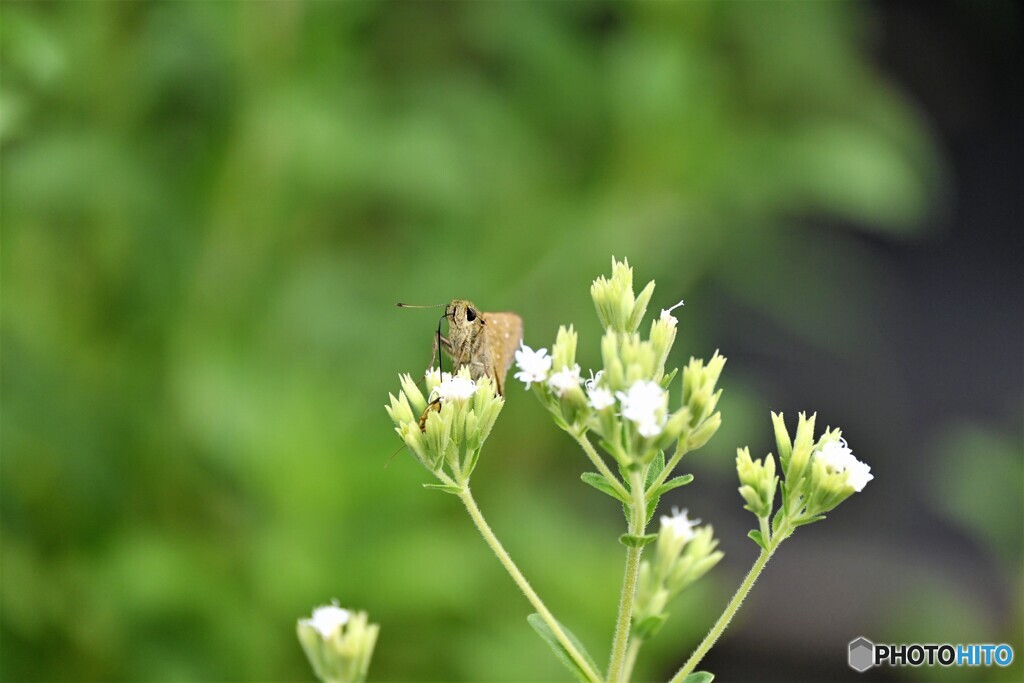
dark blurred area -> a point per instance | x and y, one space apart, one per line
209 209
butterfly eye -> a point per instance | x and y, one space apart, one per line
470 314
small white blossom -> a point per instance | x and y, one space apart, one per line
600 397
533 365
679 524
327 619
455 388
565 379
666 313
645 404
838 457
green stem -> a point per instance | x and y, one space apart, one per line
631 656
624 621
730 611
600 464
485 530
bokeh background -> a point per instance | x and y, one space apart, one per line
210 208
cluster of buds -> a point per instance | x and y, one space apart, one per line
627 402
684 553
446 431
339 643
817 475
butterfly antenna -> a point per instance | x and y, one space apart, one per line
401 305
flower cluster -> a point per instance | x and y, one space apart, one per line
339 643
684 553
816 477
626 402
450 428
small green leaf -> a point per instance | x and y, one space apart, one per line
699 677
634 541
672 483
447 488
545 632
649 626
808 520
755 536
667 379
600 483
656 467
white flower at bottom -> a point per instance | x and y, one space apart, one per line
679 525
533 365
327 619
838 457
645 404
565 379
455 388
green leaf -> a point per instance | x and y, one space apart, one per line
649 626
656 467
599 482
545 632
667 379
634 541
447 488
673 483
755 536
699 677
808 520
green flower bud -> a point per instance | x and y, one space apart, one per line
618 308
563 352
413 394
614 370
757 482
703 433
663 336
339 643
782 440
803 445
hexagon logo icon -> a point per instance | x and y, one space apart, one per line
862 654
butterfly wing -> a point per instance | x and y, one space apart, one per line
504 334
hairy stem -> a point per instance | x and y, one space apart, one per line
730 611
485 530
637 523
631 656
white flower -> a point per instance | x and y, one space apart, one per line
327 619
533 365
600 397
838 457
645 404
679 525
565 379
454 388
666 313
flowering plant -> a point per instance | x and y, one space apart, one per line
644 423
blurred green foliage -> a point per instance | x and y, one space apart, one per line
208 212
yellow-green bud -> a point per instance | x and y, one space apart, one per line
564 351
339 643
757 482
